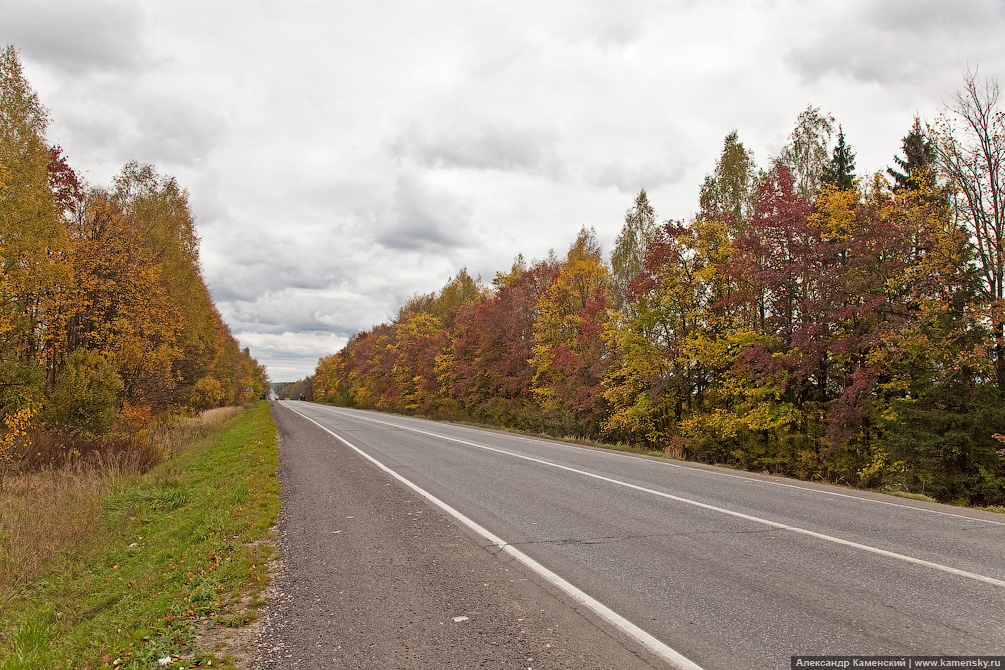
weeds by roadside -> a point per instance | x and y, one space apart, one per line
59 497
119 569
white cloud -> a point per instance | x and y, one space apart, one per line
424 217
78 38
898 43
291 355
344 156
629 178
488 146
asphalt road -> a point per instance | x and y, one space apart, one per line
708 566
374 578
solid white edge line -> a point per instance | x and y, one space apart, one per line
722 510
662 650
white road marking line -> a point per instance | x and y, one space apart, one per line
744 478
842 495
675 658
714 508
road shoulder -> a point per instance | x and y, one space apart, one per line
374 576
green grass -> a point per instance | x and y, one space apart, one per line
908 494
175 550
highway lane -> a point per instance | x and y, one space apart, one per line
372 576
729 569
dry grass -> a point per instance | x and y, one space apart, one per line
42 513
214 417
172 436
60 494
48 450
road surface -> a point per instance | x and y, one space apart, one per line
650 562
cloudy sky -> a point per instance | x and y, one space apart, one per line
342 156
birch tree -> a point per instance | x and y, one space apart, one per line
970 144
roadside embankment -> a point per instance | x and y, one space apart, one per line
162 563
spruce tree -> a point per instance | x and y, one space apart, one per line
918 164
840 172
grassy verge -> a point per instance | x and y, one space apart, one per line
161 558
906 494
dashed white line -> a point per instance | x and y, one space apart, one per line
722 510
689 468
668 654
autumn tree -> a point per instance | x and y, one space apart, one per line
418 342
669 344
337 376
399 366
939 401
105 319
252 378
802 322
66 186
727 193
570 358
85 396
630 246
785 269
374 366
487 371
165 227
32 240
970 144
460 289
121 308
807 153
421 334
303 388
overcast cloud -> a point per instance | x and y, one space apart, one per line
341 157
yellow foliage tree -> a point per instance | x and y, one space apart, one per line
673 337
13 436
32 242
121 307
570 358
417 343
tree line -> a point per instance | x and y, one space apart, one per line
106 322
805 321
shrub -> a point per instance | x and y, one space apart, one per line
86 394
206 394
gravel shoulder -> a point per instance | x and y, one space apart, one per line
372 576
